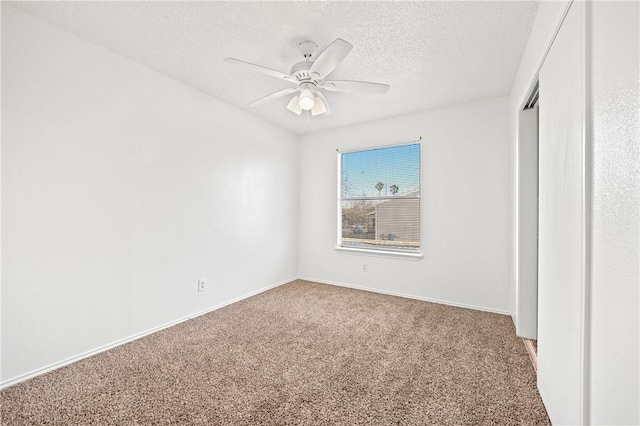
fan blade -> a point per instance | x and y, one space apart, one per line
354 86
263 70
329 59
326 104
273 96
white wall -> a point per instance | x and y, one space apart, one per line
121 188
615 297
466 207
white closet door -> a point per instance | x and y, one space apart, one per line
561 267
527 302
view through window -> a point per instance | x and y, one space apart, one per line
380 198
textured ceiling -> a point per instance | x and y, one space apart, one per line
431 53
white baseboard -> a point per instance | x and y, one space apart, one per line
71 360
409 296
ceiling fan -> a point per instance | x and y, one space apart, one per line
310 77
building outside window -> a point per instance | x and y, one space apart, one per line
380 199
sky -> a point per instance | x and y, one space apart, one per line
397 165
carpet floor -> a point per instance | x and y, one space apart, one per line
302 353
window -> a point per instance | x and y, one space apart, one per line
380 199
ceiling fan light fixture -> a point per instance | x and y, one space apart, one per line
319 107
309 78
294 105
306 100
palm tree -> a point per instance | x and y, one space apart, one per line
379 187
394 189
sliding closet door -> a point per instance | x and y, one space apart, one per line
561 269
527 302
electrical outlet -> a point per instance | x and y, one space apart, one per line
365 267
202 285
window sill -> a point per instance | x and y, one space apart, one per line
380 253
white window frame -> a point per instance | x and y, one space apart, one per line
412 255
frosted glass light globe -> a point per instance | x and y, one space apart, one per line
306 101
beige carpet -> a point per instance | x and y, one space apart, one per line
302 353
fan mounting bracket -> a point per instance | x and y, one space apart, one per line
307 48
